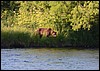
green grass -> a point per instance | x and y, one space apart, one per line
18 37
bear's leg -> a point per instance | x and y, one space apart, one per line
40 36
48 34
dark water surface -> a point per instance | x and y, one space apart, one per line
49 59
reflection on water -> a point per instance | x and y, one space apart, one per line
49 59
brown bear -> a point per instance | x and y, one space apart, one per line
46 31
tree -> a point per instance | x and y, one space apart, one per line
83 16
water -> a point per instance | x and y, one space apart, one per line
49 59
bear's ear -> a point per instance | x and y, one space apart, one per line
49 29
39 29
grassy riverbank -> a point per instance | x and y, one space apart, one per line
76 23
23 37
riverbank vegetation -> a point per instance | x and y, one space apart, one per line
76 23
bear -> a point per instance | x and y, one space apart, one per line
47 32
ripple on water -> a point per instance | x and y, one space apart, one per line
49 59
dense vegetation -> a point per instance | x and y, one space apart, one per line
76 23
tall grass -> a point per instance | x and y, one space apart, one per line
12 37
19 37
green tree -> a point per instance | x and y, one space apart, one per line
82 16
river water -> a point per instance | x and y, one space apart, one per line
49 59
